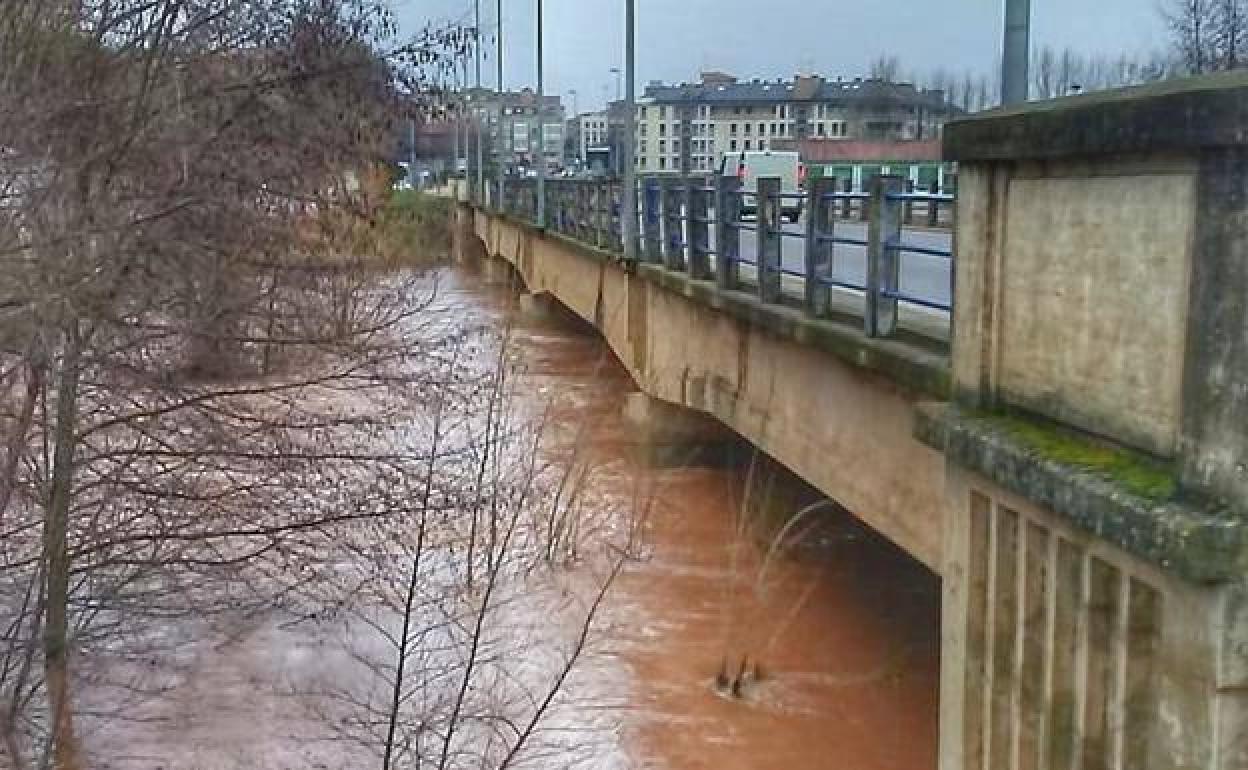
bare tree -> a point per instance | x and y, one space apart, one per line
1192 25
188 192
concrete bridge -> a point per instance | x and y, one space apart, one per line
1074 465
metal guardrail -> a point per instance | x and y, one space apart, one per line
695 225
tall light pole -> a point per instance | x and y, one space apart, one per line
476 113
1015 51
502 141
541 126
628 219
576 121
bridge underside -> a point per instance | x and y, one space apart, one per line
843 428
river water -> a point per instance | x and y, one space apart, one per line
706 653
839 632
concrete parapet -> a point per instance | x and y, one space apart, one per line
1102 266
1095 606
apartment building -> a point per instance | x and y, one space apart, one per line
688 128
519 127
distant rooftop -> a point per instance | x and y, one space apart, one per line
718 87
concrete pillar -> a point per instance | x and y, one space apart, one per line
673 435
497 270
536 307
466 247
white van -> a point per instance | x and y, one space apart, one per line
749 166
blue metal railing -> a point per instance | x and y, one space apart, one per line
695 226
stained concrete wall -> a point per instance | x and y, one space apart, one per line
1095 614
844 428
1061 650
1102 243
1092 262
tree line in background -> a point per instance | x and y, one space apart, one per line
1205 36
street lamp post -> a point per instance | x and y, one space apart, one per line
476 112
628 217
576 121
1015 51
502 141
541 126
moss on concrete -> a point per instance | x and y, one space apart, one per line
1126 499
1135 472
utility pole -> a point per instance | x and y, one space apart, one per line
476 113
541 127
411 149
503 142
576 121
1016 50
465 103
628 218
453 113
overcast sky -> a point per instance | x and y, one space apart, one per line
776 38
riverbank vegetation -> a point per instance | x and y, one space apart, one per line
226 414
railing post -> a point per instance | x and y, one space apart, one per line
673 247
653 221
727 236
847 203
819 251
697 204
600 227
769 239
933 208
908 216
883 257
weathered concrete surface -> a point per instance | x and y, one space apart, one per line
1085 295
1094 300
1060 650
1102 270
1095 596
1182 114
1197 544
839 414
1214 443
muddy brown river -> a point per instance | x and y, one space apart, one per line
719 645
839 633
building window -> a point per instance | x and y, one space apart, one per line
762 129
747 145
732 129
662 113
773 129
762 144
663 163
732 146
748 127
643 145
736 110
820 130
662 129
675 145
662 145
643 129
